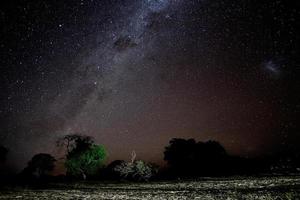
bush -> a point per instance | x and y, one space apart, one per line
136 171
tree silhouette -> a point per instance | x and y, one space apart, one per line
180 152
75 143
110 173
3 153
190 158
40 165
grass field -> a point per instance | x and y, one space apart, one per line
231 188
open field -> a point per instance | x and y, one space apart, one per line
232 188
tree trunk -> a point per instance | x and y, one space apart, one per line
133 155
83 174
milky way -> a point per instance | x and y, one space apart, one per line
134 74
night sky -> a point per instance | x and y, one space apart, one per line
134 74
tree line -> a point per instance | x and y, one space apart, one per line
185 158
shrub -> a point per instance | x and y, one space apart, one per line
136 171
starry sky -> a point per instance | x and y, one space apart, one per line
135 73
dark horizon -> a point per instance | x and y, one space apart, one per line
135 74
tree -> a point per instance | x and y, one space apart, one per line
180 153
75 143
3 153
190 158
83 157
86 162
40 165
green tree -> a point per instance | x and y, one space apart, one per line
85 162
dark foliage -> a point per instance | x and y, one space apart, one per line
75 143
109 172
191 158
39 167
3 153
285 163
188 158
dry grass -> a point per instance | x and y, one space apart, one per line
238 188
